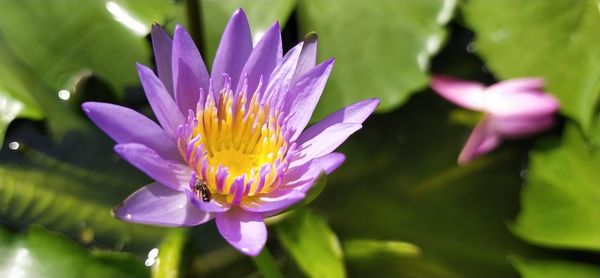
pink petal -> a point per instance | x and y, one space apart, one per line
463 93
244 230
172 174
158 205
518 84
162 103
234 49
521 103
482 140
517 127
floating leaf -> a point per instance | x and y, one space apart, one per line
382 49
68 198
68 41
369 248
558 40
560 202
312 244
555 269
400 181
40 253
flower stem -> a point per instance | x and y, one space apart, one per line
194 16
266 264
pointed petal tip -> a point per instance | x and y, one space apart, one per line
239 13
311 37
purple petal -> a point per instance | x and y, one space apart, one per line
281 78
302 98
463 93
517 127
162 103
172 174
244 230
233 51
308 56
301 177
355 113
158 205
324 143
212 206
125 125
163 47
189 71
262 60
482 140
276 200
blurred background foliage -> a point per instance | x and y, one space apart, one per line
399 207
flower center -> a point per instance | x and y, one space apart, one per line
235 146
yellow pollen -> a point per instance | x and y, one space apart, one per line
241 136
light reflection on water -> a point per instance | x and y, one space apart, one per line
121 15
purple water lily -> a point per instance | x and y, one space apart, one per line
231 144
514 108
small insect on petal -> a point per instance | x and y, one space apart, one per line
202 191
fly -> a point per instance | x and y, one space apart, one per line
202 190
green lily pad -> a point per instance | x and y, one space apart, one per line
558 40
401 182
383 48
47 47
560 202
39 253
312 244
555 269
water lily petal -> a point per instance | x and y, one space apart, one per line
354 113
276 200
158 205
234 49
281 78
301 177
125 125
172 174
189 72
308 56
163 47
262 60
245 230
463 93
323 143
302 98
482 140
517 127
162 103
530 84
212 206
521 103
